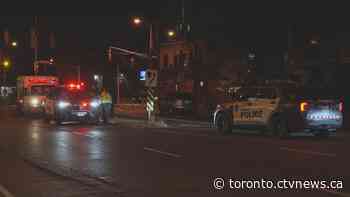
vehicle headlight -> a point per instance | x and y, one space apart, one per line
63 104
34 101
94 103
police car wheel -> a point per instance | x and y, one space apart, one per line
58 119
322 134
281 129
224 125
19 111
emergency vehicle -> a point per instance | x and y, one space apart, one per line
32 92
281 110
73 102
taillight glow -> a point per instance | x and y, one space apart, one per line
304 106
341 107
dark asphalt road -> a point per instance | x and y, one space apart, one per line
42 159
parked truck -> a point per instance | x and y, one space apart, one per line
32 92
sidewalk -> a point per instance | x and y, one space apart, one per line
160 122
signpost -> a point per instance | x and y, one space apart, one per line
151 83
151 78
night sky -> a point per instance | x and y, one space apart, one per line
236 25
83 37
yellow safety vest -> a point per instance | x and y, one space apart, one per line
106 97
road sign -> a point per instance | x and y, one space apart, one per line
142 75
151 78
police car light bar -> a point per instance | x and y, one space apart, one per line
304 106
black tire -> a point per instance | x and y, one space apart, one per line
46 117
224 123
57 118
278 127
322 134
19 111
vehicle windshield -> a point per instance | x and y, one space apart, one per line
75 95
42 90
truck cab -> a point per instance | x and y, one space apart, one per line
32 92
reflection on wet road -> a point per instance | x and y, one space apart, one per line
172 162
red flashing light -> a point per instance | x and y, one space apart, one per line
304 106
75 86
84 104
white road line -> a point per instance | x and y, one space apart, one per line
308 152
162 152
337 193
5 192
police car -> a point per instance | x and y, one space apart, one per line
280 110
73 103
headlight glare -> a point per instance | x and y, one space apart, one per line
34 101
63 104
94 103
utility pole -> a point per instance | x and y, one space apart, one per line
118 85
36 40
34 44
117 96
289 46
79 74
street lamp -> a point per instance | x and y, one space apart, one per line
14 44
137 20
171 33
6 63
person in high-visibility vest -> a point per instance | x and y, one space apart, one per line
106 101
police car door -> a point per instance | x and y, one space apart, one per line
266 103
244 109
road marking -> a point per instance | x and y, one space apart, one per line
308 152
5 192
162 152
337 193
180 133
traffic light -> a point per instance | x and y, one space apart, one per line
6 64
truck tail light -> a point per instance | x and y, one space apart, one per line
304 106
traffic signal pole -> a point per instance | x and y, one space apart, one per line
151 91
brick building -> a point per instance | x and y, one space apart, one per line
201 70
